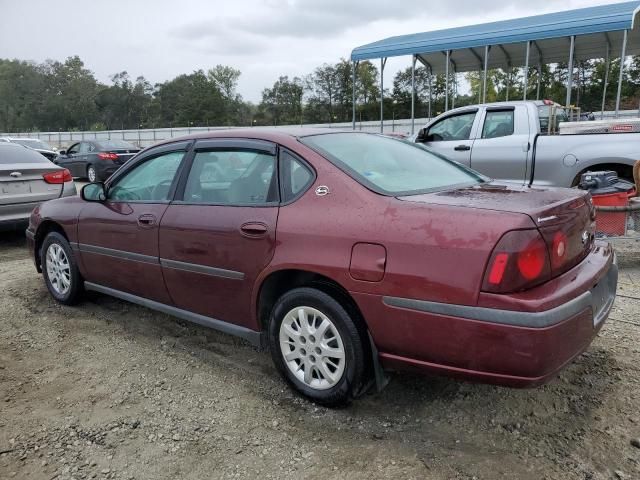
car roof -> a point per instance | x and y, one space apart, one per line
271 134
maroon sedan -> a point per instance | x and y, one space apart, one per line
347 253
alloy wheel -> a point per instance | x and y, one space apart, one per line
91 174
312 348
58 269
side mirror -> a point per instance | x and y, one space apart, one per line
62 152
93 192
422 136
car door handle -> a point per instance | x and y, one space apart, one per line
254 229
462 148
146 220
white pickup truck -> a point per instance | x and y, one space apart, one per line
512 141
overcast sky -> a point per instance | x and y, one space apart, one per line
262 38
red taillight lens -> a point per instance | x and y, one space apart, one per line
519 261
532 260
497 268
61 176
108 156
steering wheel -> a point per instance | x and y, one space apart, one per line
119 193
157 193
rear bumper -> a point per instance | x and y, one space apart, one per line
16 215
519 347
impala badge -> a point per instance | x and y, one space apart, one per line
322 190
15 174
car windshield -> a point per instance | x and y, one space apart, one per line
32 143
389 166
116 145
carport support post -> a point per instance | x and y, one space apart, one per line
383 62
446 82
413 94
430 93
526 70
622 57
607 66
570 70
539 81
484 75
353 92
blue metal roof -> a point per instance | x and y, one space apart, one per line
589 23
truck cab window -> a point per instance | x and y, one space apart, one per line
498 124
454 128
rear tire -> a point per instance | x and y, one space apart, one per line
317 347
60 270
92 175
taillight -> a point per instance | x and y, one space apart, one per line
559 248
108 156
519 261
61 176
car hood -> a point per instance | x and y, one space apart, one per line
540 203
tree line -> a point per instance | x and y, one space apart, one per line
62 96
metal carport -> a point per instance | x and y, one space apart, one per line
582 34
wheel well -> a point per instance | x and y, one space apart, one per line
44 229
278 283
625 172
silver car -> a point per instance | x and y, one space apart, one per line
26 180
38 145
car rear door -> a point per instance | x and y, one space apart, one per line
503 142
220 231
452 136
118 238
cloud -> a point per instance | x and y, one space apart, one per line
326 18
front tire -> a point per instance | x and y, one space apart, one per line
60 270
317 346
92 175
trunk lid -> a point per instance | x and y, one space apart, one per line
23 183
564 217
123 155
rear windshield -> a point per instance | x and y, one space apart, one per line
116 145
10 153
544 111
390 166
33 143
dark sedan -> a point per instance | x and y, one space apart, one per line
347 253
96 160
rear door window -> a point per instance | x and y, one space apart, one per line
498 124
232 177
295 176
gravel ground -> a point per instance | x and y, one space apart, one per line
109 390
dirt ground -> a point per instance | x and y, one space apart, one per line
109 390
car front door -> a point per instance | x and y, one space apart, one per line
118 238
68 160
452 136
502 145
220 231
